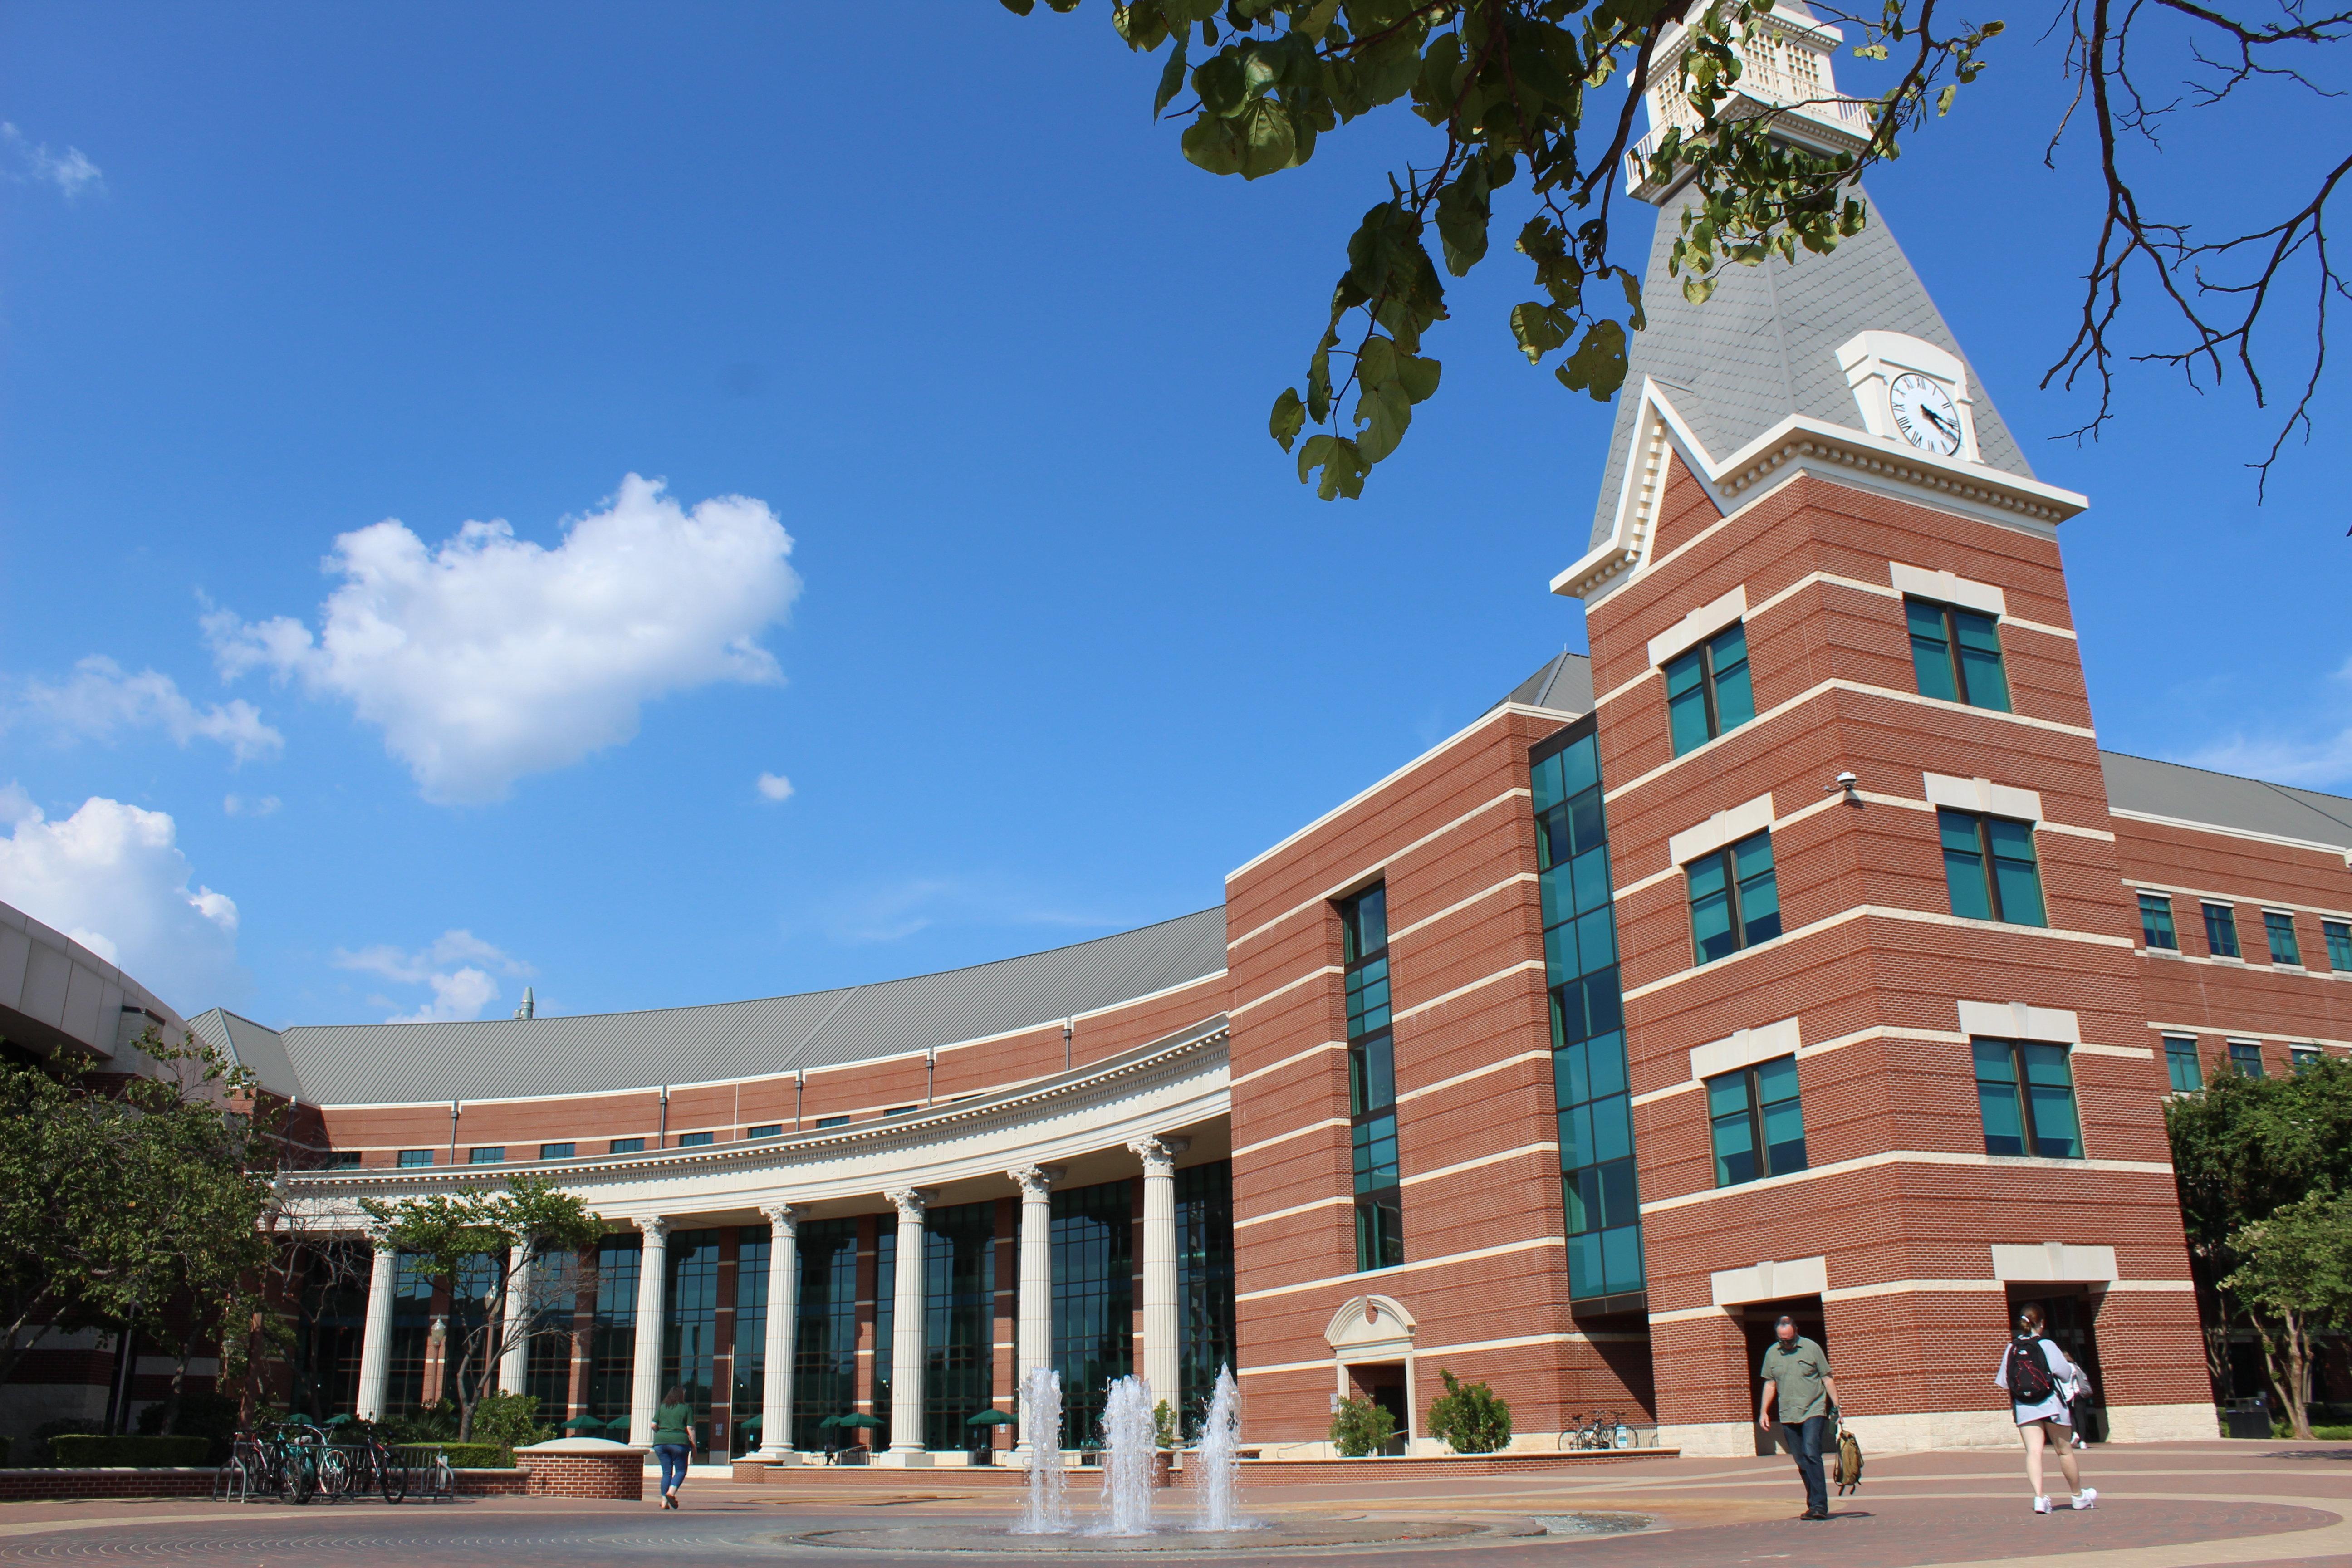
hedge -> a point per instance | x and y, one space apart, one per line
477 1456
82 1451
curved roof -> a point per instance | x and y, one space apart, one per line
505 1059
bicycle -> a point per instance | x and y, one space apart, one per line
368 1464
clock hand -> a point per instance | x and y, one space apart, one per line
1939 421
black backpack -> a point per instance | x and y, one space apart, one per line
2030 1382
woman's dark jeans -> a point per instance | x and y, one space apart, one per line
673 1458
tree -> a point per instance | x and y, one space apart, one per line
2244 1148
1359 1427
1504 87
2297 1276
474 1242
124 1198
1470 1417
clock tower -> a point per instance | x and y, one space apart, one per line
1836 684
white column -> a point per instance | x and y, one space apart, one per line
784 1318
1033 1342
375 1339
644 1379
907 1333
514 1334
1159 1155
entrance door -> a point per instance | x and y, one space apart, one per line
2071 1312
1383 1383
1757 1321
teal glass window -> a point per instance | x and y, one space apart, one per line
2182 1063
2303 1057
1371 1080
416 1156
486 1154
2246 1057
1735 900
2155 922
1956 654
2280 929
1599 1192
824 1121
343 1159
1757 1126
2339 944
628 1146
2025 1091
766 1129
1707 689
1990 869
2222 930
694 1139
556 1151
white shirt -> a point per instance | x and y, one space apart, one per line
2065 1375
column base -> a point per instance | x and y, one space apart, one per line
904 1459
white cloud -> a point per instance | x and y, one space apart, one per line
72 174
112 876
2314 761
100 701
488 658
775 786
249 806
454 966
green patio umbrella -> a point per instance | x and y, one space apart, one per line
583 1424
860 1419
749 1423
989 1418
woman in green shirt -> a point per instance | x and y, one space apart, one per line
673 1442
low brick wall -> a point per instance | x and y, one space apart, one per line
621 1476
35 1486
492 1483
1327 1472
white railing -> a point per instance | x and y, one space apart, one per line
1850 115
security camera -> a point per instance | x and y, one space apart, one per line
1845 781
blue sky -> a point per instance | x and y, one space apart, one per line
1058 642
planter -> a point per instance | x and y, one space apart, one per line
584 1467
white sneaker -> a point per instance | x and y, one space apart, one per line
2086 1496
2042 1505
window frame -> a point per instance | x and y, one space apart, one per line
2277 924
1727 860
1987 864
2019 1085
415 1159
2221 920
1702 657
2246 1057
824 1121
2159 904
486 1154
2177 1049
1954 664
1376 1181
567 1151
625 1146
764 1130
2303 1058
1749 1080
344 1159
2336 936
697 1140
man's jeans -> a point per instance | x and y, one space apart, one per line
1805 1447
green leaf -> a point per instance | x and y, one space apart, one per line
1632 298
1342 464
1143 24
1267 142
1020 7
1383 412
1289 417
1539 328
1944 98
1462 209
1597 365
1209 143
1696 289
1418 375
1172 78
1221 84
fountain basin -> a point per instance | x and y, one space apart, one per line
1306 1532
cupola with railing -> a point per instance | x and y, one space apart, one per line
1785 73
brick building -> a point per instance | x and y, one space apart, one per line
1798 950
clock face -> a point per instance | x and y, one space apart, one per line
1926 415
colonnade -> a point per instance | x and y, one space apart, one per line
1033 1342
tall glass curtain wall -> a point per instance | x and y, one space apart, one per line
885 1315
412 1327
825 1347
612 1334
750 1359
690 1322
1094 1301
1204 1283
469 1302
546 1364
1371 1080
1587 1039
959 1323
326 1351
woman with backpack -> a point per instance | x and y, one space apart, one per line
2041 1383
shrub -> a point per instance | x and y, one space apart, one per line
1470 1417
435 1425
38 1452
83 1451
510 1420
203 1412
1360 1426
479 1455
1163 1425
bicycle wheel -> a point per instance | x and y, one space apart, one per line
301 1477
334 1474
395 1478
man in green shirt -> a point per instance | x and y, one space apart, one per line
1796 1373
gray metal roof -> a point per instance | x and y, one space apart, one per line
498 1059
1765 346
1564 683
2193 794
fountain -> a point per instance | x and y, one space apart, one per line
1130 1450
1044 1512
1218 1457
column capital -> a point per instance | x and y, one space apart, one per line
783 1218
652 1227
910 1201
1159 1154
1036 1180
